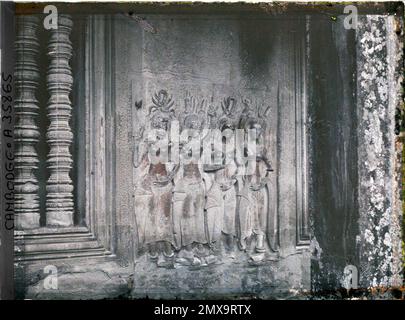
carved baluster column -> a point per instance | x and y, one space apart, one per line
25 130
59 198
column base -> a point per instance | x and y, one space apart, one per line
24 221
59 219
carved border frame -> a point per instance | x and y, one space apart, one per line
100 148
301 52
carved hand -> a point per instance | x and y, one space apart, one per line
257 187
225 187
266 162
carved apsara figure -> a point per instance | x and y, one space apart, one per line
253 195
188 193
221 194
213 194
153 193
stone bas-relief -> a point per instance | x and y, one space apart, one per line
102 197
196 211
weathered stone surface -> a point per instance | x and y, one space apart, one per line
232 278
379 92
356 187
77 279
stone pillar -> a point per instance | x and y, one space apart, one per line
26 130
59 198
379 93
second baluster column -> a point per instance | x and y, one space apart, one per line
59 198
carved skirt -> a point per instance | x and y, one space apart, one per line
154 214
214 208
188 213
252 212
221 212
229 211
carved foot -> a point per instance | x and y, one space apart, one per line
153 256
183 262
256 259
164 262
196 262
185 258
211 259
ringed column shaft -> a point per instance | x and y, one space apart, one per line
59 198
26 130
